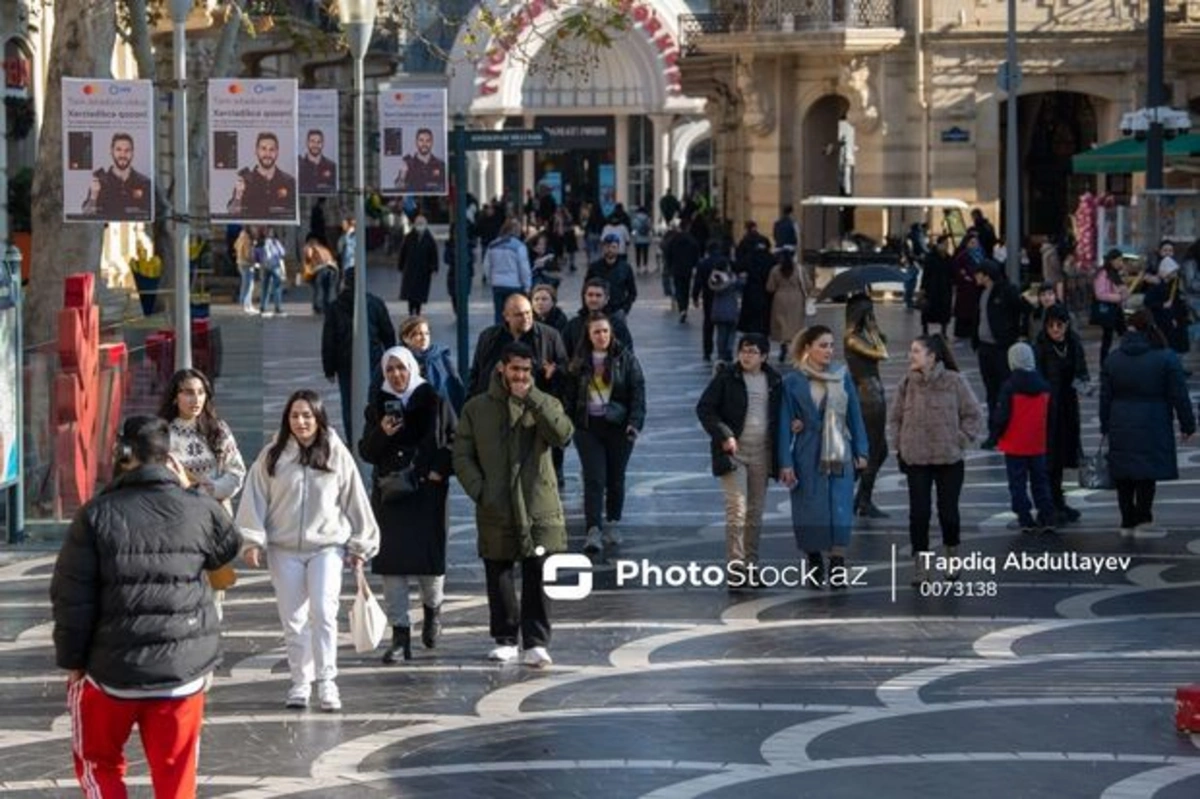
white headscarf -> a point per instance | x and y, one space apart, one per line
415 381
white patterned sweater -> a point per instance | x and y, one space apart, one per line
225 468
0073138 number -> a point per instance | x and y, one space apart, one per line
980 588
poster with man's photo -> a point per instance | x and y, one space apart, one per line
252 151
412 126
317 144
108 150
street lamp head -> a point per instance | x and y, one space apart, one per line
357 12
180 10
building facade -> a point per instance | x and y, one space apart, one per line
901 98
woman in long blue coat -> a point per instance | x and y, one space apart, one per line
822 445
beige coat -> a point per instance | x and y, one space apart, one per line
787 306
933 419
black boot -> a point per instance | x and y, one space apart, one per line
816 571
401 643
431 626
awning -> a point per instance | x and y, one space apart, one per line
1129 155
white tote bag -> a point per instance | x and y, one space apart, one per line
367 620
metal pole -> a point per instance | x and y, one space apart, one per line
1012 188
462 275
16 496
360 37
181 201
1155 97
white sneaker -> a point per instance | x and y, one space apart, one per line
536 657
612 536
268 314
593 543
1127 532
504 653
298 696
252 311
329 696
281 314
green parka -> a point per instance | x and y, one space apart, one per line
502 459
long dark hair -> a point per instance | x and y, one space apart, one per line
315 455
208 423
940 349
1143 322
583 354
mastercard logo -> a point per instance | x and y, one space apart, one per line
235 88
89 89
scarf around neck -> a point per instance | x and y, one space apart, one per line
415 381
834 432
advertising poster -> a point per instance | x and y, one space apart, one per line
552 182
108 150
10 379
608 189
252 151
412 125
317 146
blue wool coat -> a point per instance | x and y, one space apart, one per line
1141 389
822 505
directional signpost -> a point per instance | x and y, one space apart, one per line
462 142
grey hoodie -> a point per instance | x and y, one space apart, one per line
302 509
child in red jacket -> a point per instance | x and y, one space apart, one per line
1018 423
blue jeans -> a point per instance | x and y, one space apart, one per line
500 295
725 334
911 276
1030 469
324 287
272 290
246 290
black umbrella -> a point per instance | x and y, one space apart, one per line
859 279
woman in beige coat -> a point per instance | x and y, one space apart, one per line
933 419
785 284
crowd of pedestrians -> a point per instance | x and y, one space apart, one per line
542 379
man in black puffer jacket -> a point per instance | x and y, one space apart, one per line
134 620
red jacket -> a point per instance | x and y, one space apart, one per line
1019 419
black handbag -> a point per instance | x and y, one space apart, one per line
1103 313
396 486
615 412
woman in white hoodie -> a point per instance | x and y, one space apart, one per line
304 504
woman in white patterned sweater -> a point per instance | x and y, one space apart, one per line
204 446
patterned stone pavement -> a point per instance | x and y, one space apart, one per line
1024 682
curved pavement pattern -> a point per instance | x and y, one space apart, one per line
1032 683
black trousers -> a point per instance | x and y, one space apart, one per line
681 285
604 452
1054 459
948 479
1135 498
709 328
531 618
993 368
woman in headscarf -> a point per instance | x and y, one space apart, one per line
822 441
866 348
407 437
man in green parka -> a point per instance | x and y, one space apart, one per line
502 458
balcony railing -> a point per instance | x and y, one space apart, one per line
786 16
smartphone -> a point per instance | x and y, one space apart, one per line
225 149
393 141
394 408
79 150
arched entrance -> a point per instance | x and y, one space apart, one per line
828 159
1052 127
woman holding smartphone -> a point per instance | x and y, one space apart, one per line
408 436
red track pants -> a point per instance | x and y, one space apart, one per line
101 724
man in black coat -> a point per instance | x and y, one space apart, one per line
337 344
519 325
681 254
134 621
1001 324
614 268
754 262
595 299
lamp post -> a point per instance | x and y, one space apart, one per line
1012 176
358 18
181 198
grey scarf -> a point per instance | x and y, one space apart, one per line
835 450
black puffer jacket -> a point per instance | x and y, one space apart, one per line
722 412
628 396
132 605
